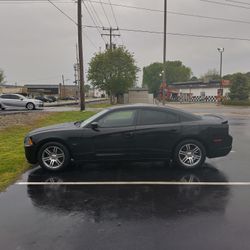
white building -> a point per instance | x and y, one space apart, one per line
198 91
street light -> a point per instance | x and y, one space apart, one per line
221 50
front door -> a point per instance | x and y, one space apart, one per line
114 138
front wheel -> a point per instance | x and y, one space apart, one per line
30 106
1 107
190 154
53 156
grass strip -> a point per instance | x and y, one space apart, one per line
12 158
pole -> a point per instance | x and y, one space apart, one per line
111 34
221 70
80 52
164 53
63 86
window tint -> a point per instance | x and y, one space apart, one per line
14 97
5 96
149 117
9 96
118 119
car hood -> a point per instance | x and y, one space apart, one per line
61 126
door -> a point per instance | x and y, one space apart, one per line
12 100
156 133
114 137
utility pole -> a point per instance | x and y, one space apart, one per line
80 52
63 95
221 50
111 35
164 84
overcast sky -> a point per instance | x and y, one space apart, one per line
37 42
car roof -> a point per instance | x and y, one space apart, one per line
153 106
142 106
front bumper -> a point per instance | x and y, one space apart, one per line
30 154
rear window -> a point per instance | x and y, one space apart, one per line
150 117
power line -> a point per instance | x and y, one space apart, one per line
179 34
111 6
65 14
72 20
147 9
104 12
238 2
225 4
93 20
173 12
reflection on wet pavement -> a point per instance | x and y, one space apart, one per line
127 202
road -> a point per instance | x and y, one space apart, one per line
144 206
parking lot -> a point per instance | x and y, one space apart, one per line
126 205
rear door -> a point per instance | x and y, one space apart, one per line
157 132
114 137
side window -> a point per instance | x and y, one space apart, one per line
13 97
122 118
150 117
5 96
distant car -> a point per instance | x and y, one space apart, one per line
131 132
18 101
42 98
51 98
68 98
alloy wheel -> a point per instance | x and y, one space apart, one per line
190 155
53 157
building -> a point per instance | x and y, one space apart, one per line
138 95
196 91
13 89
58 90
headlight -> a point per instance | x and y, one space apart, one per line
28 141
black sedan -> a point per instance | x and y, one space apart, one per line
131 132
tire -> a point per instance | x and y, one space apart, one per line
1 107
53 156
30 106
189 154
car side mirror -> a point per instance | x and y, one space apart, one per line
94 125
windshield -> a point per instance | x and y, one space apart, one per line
92 118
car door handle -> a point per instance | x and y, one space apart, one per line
128 134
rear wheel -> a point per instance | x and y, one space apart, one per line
190 154
53 156
30 106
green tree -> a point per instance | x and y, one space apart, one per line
2 77
212 74
240 87
113 71
175 72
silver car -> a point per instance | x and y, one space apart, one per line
19 101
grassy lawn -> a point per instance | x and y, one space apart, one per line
12 159
98 105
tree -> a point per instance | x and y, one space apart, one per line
212 74
2 77
175 72
240 87
113 71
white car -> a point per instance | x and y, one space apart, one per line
19 101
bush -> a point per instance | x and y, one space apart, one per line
236 102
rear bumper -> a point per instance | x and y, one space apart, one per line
219 150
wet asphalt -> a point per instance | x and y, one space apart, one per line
119 216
